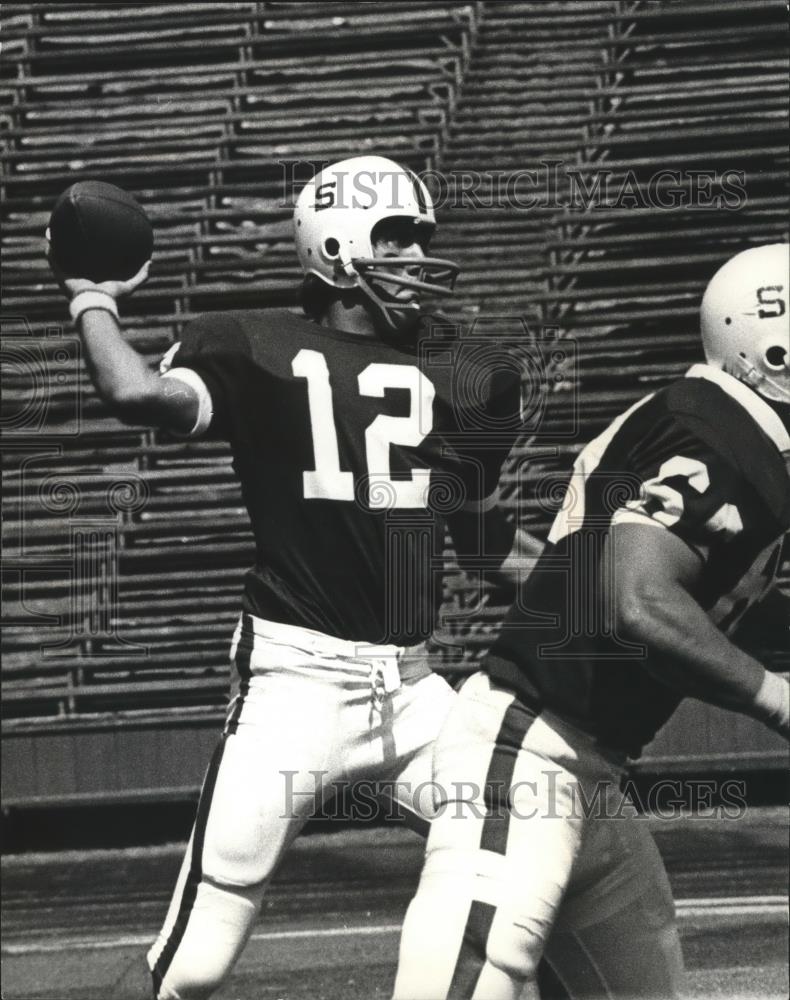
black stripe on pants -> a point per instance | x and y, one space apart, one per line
195 869
242 664
493 837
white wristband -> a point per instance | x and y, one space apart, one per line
772 702
92 298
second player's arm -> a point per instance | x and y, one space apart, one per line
485 540
521 559
654 574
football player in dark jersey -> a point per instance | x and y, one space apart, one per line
353 452
671 528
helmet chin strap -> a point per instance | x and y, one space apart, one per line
744 371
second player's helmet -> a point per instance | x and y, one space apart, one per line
334 221
745 323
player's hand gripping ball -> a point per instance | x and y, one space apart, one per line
100 233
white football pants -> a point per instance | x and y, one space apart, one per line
309 711
533 851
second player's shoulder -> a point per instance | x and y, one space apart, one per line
737 425
710 419
700 401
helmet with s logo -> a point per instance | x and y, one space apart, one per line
745 323
335 217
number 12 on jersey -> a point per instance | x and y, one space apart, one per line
328 481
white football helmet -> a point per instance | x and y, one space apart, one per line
334 219
745 323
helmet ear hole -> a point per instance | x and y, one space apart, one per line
776 356
331 247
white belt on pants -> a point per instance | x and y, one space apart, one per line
387 664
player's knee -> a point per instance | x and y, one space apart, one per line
217 929
196 975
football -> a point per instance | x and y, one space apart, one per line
100 232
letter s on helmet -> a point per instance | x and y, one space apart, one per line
745 323
334 218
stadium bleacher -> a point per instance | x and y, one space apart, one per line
200 118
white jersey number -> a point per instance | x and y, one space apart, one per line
725 520
328 481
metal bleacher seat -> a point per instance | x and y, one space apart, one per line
198 119
629 88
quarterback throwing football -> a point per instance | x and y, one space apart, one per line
671 528
347 447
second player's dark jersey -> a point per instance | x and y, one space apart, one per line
705 459
351 454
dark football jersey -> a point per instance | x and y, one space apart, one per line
705 459
352 453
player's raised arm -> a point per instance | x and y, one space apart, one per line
122 378
654 577
99 244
